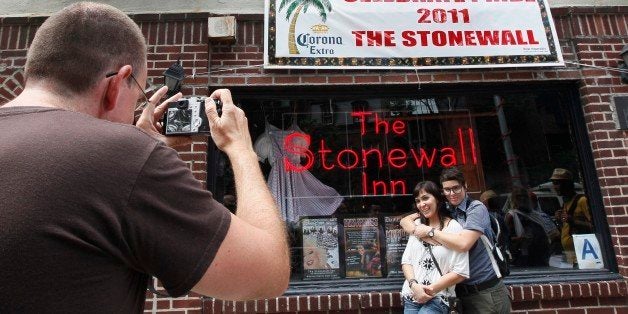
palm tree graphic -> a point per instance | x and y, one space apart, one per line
295 6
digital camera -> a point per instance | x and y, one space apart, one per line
186 117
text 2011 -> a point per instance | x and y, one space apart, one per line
442 15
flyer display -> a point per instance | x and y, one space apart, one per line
396 240
362 255
320 248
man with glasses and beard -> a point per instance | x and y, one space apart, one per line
484 291
92 206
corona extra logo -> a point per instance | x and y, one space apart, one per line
318 42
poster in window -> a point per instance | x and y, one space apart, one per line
396 240
362 255
320 248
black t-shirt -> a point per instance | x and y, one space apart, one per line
89 209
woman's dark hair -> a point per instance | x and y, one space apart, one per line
433 189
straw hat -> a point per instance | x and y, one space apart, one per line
561 174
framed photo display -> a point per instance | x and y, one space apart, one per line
396 240
320 248
362 247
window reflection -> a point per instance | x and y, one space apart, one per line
350 164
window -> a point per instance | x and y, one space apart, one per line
342 164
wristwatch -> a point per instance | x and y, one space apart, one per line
431 233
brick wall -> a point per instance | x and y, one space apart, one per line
589 35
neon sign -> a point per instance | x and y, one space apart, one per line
348 159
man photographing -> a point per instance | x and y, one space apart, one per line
91 206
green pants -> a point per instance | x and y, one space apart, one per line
493 300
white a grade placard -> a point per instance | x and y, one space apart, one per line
588 251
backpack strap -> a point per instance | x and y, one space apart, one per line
489 251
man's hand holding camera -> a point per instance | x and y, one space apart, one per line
150 120
230 131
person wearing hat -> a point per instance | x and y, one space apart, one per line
575 215
491 201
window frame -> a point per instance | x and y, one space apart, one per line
580 137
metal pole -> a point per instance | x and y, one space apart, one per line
511 158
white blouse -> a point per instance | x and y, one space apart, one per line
425 272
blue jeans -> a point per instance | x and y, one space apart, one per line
435 305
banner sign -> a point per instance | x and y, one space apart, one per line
409 34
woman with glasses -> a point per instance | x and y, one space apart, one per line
431 270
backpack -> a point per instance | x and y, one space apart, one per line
495 253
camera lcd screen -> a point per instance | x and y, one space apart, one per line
179 121
186 117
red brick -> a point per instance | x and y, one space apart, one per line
525 305
163 304
314 302
340 79
273 305
361 79
261 305
537 292
373 311
334 302
286 80
470 76
445 77
313 79
554 304
167 49
250 306
493 76
393 79
521 76
324 302
571 311
607 310
195 48
345 302
208 305
620 300
282 304
233 80
250 56
190 303
584 302
527 293
201 176
260 80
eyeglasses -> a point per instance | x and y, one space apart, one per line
453 190
143 90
